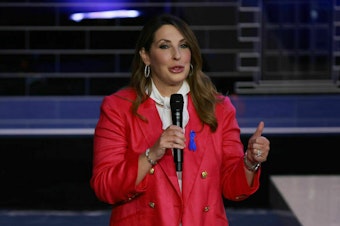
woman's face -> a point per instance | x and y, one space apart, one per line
169 59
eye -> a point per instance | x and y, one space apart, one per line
184 46
164 46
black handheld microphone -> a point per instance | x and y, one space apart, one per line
176 105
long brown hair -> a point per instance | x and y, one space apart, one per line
203 92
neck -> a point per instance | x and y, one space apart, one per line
167 90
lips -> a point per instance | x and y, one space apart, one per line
177 69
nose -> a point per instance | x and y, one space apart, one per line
176 54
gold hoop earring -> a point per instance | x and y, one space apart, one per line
147 71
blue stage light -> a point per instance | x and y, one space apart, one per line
111 14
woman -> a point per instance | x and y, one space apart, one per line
134 168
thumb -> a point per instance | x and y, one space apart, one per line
259 129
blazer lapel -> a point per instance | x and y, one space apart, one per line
193 158
153 127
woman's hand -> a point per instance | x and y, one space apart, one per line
172 137
258 146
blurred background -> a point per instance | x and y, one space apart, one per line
278 61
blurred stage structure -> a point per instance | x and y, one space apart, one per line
249 46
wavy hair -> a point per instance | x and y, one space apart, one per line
203 92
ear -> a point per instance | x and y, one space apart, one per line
145 56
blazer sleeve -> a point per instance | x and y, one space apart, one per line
234 182
114 167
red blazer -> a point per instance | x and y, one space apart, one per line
216 167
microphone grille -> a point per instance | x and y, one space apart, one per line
176 102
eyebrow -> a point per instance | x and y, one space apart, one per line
163 40
166 40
